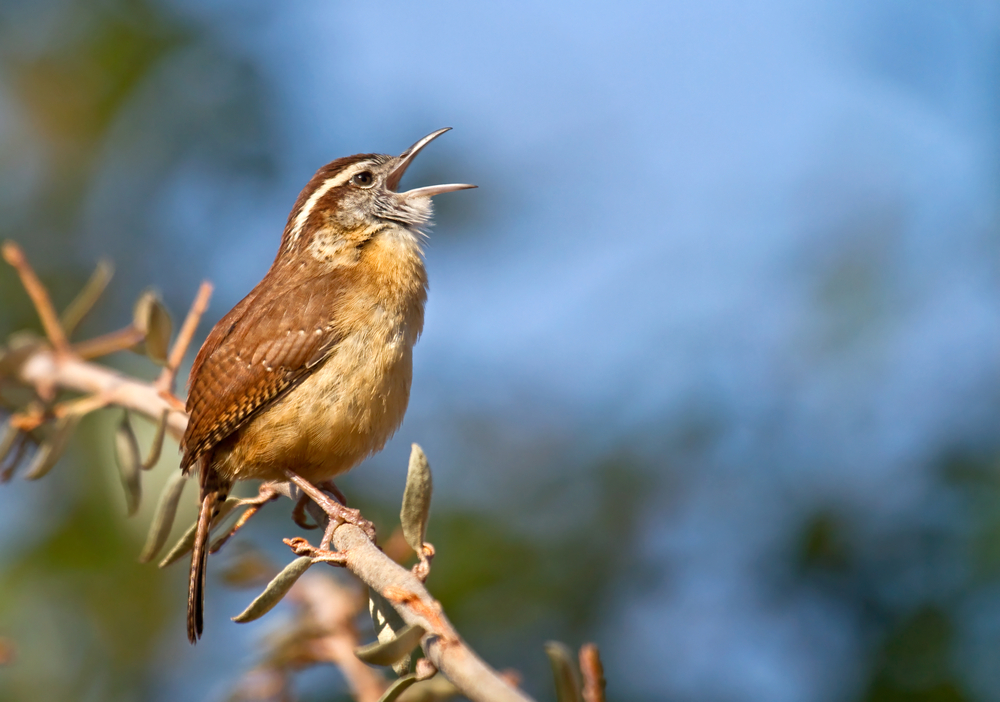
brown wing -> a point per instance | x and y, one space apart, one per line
264 347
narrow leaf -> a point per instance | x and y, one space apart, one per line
416 500
51 450
388 624
565 675
431 690
12 443
397 688
152 319
385 618
128 459
163 517
157 447
9 435
14 458
275 590
396 649
186 542
88 296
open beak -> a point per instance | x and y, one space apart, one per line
406 158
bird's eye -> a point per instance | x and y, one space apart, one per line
365 179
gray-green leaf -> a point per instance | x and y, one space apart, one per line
186 542
157 446
388 652
128 459
9 435
163 517
51 450
275 590
416 500
152 319
397 688
388 624
563 671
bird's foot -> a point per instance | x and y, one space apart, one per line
336 512
299 511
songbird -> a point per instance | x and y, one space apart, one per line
310 373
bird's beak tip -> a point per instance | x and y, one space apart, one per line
406 158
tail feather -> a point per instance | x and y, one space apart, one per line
199 560
213 493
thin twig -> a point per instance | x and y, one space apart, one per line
42 368
82 405
120 340
87 297
13 254
593 673
165 383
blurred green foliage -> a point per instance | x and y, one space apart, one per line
911 585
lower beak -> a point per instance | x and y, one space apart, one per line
406 158
432 190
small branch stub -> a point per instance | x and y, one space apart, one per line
593 673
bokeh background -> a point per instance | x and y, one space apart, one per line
711 366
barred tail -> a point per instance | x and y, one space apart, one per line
213 493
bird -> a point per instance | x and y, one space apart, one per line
310 373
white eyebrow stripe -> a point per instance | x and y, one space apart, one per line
329 184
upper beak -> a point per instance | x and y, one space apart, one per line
406 158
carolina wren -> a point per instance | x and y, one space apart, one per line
310 373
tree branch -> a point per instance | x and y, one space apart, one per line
43 367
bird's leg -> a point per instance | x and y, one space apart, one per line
265 494
331 488
334 510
